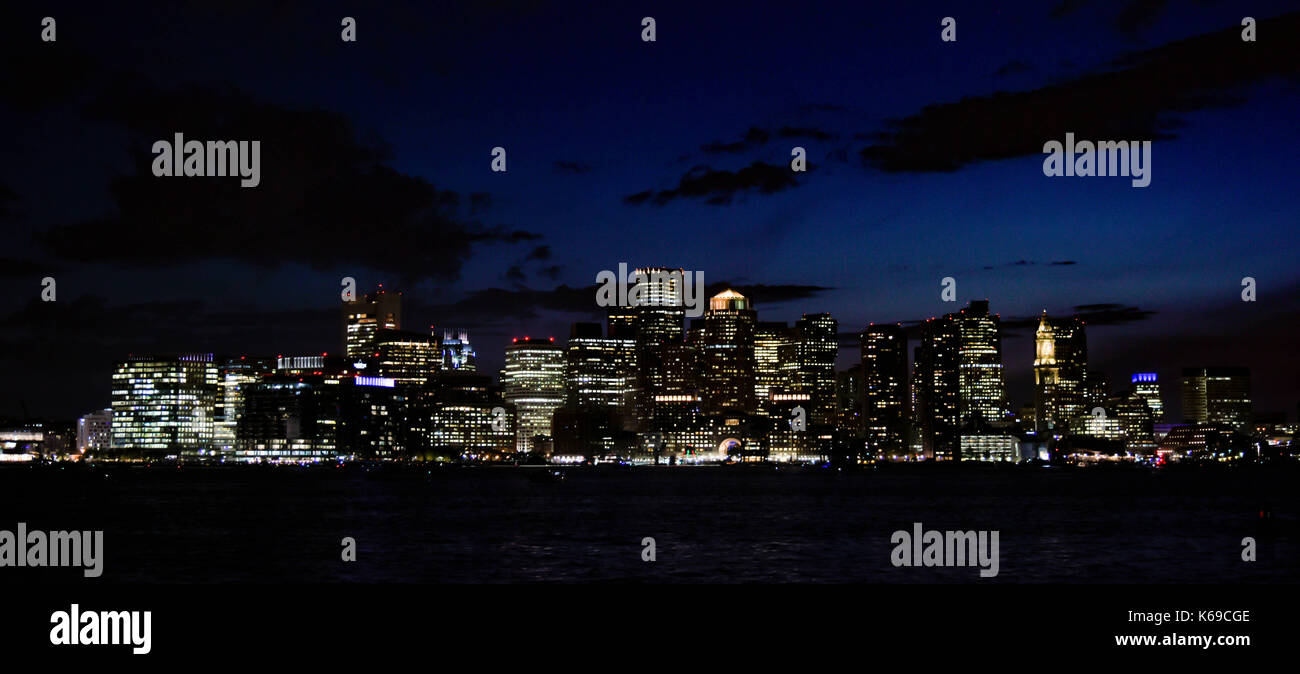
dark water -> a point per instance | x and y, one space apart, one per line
717 524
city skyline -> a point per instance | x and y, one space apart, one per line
919 169
653 382
392 335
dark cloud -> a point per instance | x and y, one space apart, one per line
752 138
1111 314
326 197
1139 99
768 294
1030 263
719 187
805 132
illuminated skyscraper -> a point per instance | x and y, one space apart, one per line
936 388
406 357
771 342
885 404
457 354
233 377
848 400
727 350
363 318
1217 395
1146 386
983 391
658 298
597 368
1060 369
533 381
810 364
164 406
621 321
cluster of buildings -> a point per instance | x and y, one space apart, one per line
649 386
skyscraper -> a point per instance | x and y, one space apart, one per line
363 318
1146 386
233 377
658 298
164 406
1217 395
885 404
457 354
406 357
533 381
810 364
980 380
936 388
727 350
1060 369
771 342
595 368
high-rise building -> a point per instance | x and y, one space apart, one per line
1096 389
233 377
1217 395
622 321
848 400
409 358
164 406
936 388
533 381
980 380
457 354
658 298
885 404
597 368
810 364
1147 387
363 318
1060 368
95 432
1136 423
467 418
771 342
727 351
287 418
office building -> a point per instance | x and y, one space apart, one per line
885 402
95 432
164 406
533 382
363 318
1217 395
1060 368
727 351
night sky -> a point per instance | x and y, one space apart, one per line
925 161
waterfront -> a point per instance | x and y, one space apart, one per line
710 524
